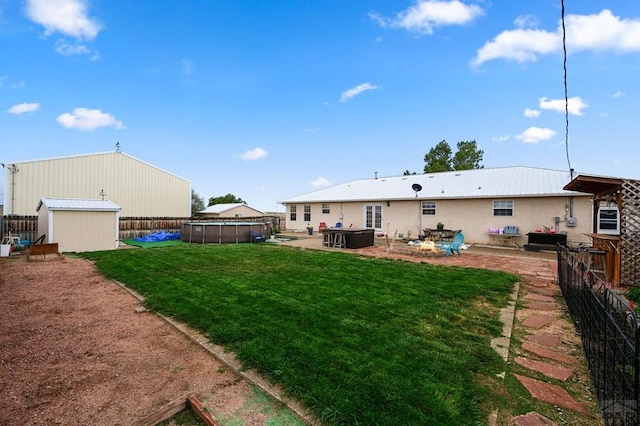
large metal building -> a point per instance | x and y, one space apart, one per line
139 188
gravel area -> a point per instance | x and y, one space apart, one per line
74 351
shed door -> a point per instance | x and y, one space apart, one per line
373 216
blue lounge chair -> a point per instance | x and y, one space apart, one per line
257 238
453 246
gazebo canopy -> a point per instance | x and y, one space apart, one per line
598 185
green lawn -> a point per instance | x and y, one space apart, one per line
357 340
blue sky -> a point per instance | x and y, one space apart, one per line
271 99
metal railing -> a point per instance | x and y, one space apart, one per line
610 337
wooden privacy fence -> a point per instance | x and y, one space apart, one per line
131 227
23 227
26 227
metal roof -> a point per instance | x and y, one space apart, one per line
518 181
220 208
78 204
97 154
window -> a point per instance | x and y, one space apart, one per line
429 208
325 208
293 213
503 207
307 213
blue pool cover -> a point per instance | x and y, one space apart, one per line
157 237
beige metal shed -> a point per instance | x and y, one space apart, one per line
230 210
79 225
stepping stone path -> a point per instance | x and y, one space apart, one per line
542 353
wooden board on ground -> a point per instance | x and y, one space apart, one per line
43 249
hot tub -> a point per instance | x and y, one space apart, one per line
221 232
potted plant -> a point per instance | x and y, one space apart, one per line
440 226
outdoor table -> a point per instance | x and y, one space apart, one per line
439 235
506 238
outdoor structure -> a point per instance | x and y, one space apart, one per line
615 228
229 210
222 232
78 225
475 201
141 189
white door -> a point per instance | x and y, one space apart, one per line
373 217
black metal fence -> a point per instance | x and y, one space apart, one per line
609 330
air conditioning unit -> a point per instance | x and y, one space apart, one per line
608 220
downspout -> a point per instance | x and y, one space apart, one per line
13 169
571 171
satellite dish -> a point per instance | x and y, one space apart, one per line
416 187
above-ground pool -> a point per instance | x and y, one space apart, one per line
221 232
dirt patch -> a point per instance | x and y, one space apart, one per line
73 350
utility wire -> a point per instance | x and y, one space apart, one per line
566 90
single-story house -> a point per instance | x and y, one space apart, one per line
79 225
474 201
229 210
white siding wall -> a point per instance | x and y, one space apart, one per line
472 216
139 188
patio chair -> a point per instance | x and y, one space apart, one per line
453 246
257 238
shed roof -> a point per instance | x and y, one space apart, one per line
517 181
78 204
220 208
98 154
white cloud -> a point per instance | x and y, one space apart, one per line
320 182
575 105
519 45
427 14
254 154
601 32
23 107
88 119
502 138
355 91
19 85
68 17
535 135
531 113
618 94
67 49
526 21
